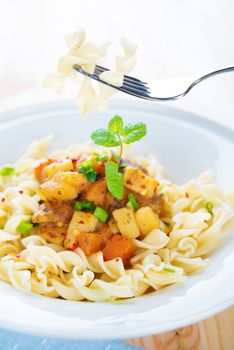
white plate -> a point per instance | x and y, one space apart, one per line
187 145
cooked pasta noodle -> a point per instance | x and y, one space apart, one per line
87 55
188 232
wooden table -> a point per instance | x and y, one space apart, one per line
215 333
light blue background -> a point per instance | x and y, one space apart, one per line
17 341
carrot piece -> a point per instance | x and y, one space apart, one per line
99 167
38 170
119 247
97 192
90 242
105 232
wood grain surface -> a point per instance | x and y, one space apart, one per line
215 333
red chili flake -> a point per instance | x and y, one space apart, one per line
21 191
74 247
74 161
186 194
81 222
3 199
17 255
143 186
129 182
73 170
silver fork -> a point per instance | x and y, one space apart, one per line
155 90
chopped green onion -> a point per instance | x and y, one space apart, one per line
209 207
87 168
101 214
133 202
84 205
78 206
7 171
167 269
86 164
91 176
24 227
166 223
129 205
100 158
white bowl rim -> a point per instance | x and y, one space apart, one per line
208 310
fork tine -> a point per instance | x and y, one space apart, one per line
100 69
128 86
136 86
131 89
129 82
134 91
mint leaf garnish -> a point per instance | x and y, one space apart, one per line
114 179
115 124
117 134
133 132
103 137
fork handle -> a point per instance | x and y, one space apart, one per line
211 74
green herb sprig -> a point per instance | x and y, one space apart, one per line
116 135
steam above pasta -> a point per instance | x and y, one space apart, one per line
163 256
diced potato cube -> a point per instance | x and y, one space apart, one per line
79 181
80 222
113 225
147 220
52 233
71 239
63 186
137 181
51 169
83 222
126 222
51 190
